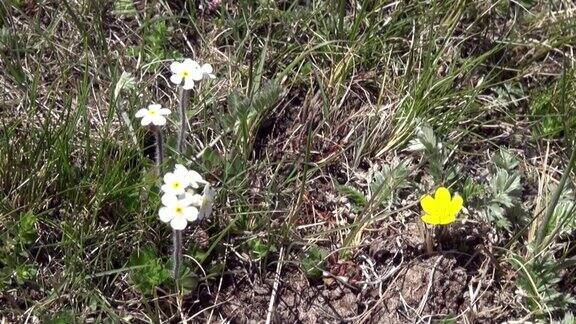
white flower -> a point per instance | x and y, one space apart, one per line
154 115
178 211
206 202
207 71
175 183
193 178
187 71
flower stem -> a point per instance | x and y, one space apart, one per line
177 252
176 234
159 144
182 103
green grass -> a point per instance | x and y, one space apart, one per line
305 134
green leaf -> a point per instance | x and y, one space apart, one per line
355 196
260 248
393 176
27 228
505 160
313 263
149 270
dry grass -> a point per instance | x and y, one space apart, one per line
313 99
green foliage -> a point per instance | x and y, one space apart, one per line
433 153
509 94
503 192
356 197
505 160
260 249
385 182
563 217
313 262
155 36
62 317
14 264
125 7
538 282
472 190
553 110
382 185
568 318
148 271
248 113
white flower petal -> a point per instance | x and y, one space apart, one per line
180 171
165 111
154 107
196 74
196 177
159 120
169 200
188 84
146 120
191 199
141 113
178 223
169 177
207 68
169 180
176 78
175 67
190 64
165 214
191 213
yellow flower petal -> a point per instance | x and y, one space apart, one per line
456 205
442 197
438 219
431 219
447 219
428 205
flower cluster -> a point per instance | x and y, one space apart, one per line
154 115
184 73
180 202
189 71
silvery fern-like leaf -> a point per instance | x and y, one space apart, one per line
504 190
354 195
505 183
392 176
425 140
415 145
125 82
505 160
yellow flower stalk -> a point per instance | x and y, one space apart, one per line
442 208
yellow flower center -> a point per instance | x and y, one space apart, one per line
152 113
179 210
185 73
176 185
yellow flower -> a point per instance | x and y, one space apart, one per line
442 209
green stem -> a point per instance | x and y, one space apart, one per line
182 101
159 145
176 234
177 252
